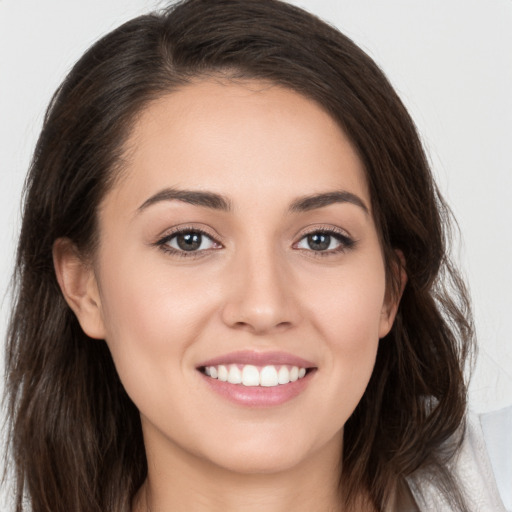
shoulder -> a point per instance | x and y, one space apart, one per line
481 467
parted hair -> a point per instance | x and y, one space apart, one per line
75 438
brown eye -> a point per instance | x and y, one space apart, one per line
327 242
188 241
319 241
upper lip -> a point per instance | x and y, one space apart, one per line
258 359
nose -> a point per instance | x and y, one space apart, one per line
260 297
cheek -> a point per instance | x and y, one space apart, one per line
348 315
150 316
353 340
142 300
348 307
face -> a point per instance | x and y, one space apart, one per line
239 242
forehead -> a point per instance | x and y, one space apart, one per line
247 138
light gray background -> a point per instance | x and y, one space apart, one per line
451 62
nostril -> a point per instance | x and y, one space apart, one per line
242 326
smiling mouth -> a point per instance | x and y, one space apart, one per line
255 376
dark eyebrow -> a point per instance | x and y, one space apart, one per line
315 201
195 197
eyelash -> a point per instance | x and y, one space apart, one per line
346 243
164 241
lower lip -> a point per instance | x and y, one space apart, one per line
259 396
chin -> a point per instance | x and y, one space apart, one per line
264 462
265 454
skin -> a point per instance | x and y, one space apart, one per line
256 286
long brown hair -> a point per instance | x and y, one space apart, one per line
75 436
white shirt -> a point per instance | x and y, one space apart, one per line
482 468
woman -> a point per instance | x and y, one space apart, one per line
232 284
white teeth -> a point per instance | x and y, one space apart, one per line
222 373
235 375
250 375
268 376
283 376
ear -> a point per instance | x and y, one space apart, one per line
392 298
78 284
